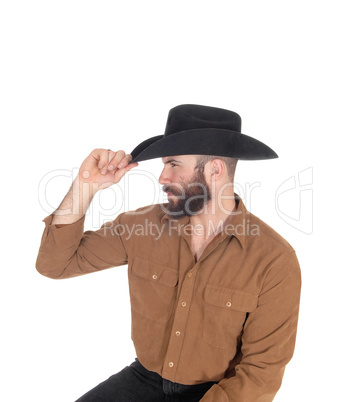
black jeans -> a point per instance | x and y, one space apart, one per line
137 384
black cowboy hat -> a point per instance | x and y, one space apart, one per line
202 130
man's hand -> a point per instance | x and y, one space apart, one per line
100 170
104 167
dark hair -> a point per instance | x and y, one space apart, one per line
201 161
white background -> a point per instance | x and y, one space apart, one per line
77 75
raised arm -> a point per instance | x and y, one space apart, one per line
65 250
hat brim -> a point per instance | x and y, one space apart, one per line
209 141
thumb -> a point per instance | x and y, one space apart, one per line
121 172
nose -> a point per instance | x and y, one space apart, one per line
164 179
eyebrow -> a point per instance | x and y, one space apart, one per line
171 160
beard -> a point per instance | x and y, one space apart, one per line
189 197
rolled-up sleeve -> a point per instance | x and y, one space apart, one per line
68 251
268 338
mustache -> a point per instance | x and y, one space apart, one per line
180 190
168 189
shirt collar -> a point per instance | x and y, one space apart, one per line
237 224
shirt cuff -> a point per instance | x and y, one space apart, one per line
65 234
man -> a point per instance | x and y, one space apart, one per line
214 290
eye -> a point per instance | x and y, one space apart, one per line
173 164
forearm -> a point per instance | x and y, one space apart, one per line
69 251
57 256
76 202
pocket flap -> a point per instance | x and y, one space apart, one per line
230 298
155 272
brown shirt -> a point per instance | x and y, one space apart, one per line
230 317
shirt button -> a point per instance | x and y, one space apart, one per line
154 276
183 304
177 333
228 304
189 274
170 364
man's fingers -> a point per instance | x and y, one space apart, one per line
121 172
131 166
105 157
125 161
118 156
119 161
110 161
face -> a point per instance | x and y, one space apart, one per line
186 187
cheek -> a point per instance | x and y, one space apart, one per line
175 179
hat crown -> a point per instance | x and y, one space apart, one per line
190 117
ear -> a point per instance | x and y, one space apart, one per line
217 169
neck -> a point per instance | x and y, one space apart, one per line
215 214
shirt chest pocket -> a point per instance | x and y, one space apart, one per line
152 289
225 312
